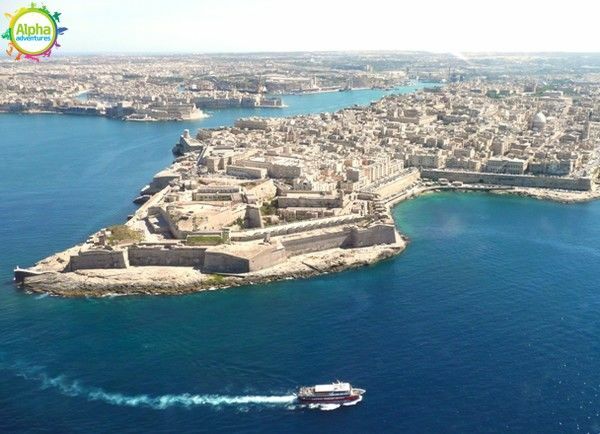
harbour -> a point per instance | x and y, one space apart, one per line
528 334
314 217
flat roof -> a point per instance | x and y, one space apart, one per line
335 387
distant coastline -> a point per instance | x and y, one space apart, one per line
189 114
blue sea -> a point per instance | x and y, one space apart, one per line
488 322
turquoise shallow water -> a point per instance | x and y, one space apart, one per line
488 322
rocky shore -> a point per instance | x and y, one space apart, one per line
183 280
561 196
154 280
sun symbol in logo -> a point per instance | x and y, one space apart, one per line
32 32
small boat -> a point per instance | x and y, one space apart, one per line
334 393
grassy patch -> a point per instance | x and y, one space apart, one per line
215 279
203 240
123 234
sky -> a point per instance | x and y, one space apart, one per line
208 26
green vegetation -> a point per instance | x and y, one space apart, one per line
240 222
268 208
203 240
215 279
123 234
540 90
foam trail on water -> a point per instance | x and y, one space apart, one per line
75 389
329 407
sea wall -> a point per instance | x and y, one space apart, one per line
267 258
225 262
377 234
330 240
348 237
176 256
225 259
91 259
555 182
242 258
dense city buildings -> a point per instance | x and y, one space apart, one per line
253 200
179 88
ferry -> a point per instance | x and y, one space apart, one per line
334 393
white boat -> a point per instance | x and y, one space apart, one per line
333 393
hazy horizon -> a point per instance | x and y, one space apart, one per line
267 26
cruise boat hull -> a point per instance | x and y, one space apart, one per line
329 400
335 393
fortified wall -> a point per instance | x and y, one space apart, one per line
298 227
563 183
227 260
170 256
315 243
311 199
98 258
346 238
233 258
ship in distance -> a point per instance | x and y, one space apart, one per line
333 393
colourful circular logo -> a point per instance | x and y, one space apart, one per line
33 31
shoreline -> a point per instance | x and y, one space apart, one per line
559 196
206 115
93 115
154 280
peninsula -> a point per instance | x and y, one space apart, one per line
271 199
179 88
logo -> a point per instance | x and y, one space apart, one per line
32 32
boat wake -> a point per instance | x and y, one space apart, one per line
325 407
330 407
76 389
